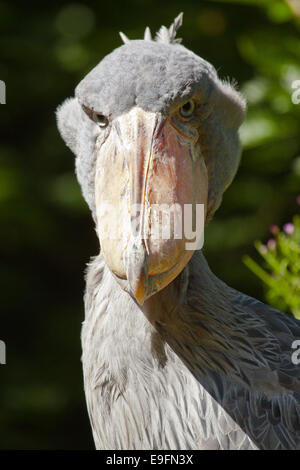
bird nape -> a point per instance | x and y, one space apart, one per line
173 358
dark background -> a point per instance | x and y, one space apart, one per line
46 232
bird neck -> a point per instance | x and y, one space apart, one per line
196 284
194 316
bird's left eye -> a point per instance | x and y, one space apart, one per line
187 109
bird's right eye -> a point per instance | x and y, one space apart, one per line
98 118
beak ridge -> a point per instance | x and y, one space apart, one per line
136 269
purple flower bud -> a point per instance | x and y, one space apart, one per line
274 229
271 244
288 228
298 199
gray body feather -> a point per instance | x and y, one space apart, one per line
200 366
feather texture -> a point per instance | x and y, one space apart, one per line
147 35
168 36
164 35
200 367
124 38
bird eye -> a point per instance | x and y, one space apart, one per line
100 119
187 109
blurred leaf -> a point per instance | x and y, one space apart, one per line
65 191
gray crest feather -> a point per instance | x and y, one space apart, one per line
147 35
164 35
174 28
124 38
168 36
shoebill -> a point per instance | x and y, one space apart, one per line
173 358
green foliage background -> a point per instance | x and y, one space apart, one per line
47 234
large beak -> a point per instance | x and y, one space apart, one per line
150 182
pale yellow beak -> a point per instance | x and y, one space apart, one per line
147 172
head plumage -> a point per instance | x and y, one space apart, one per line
164 35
